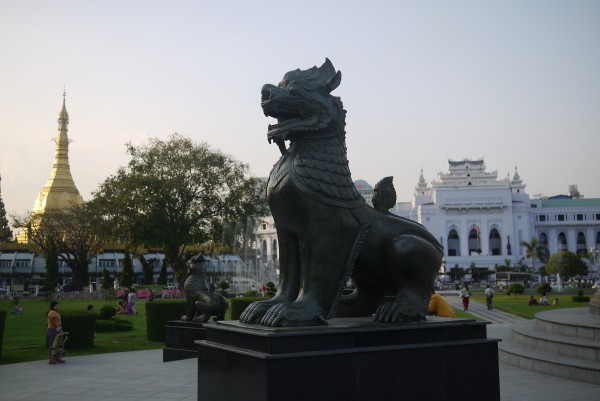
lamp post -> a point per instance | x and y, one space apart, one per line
593 257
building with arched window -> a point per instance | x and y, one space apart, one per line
480 218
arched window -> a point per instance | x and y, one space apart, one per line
274 249
263 251
562 242
453 243
495 242
581 245
543 241
474 241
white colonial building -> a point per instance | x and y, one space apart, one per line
481 219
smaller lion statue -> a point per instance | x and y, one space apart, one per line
201 302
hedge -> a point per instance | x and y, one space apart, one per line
239 304
158 313
2 322
114 324
81 327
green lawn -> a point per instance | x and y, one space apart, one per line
517 305
24 335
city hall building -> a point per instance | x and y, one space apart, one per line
481 219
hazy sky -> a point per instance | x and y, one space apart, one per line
515 82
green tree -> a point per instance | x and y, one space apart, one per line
567 264
51 279
5 231
531 250
147 269
126 279
172 192
162 277
107 281
456 273
78 233
516 288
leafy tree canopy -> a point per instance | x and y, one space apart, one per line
174 192
75 234
567 264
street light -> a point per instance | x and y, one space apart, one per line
593 257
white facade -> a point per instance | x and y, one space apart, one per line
480 218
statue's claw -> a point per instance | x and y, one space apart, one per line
255 311
293 314
397 312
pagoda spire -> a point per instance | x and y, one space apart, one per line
60 190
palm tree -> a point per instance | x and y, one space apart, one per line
532 250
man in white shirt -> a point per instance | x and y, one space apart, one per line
489 294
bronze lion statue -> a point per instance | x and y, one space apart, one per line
327 233
201 302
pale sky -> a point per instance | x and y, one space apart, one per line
515 82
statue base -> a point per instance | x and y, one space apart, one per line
349 359
180 340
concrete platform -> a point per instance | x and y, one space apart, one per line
141 376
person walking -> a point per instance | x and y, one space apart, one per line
464 294
489 295
54 327
131 301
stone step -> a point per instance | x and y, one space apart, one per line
548 363
570 322
528 334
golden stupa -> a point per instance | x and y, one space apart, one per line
60 190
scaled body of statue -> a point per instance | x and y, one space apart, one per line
201 302
326 231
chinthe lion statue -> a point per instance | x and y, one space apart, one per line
326 231
201 302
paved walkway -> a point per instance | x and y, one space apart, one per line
141 375
480 310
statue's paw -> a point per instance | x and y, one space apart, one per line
397 312
255 311
293 314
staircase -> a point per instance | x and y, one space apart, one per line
558 342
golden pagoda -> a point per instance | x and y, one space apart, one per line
60 190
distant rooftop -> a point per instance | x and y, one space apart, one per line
362 184
567 202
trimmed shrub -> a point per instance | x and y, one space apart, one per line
114 324
544 288
2 322
158 313
123 325
580 297
516 288
250 294
239 304
106 312
271 290
103 326
81 326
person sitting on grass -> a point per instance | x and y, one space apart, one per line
439 306
18 309
120 308
555 302
544 300
532 301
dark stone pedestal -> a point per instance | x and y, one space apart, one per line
180 340
350 359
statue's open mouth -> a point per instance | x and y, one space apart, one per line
289 117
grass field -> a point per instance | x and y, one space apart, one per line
25 334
